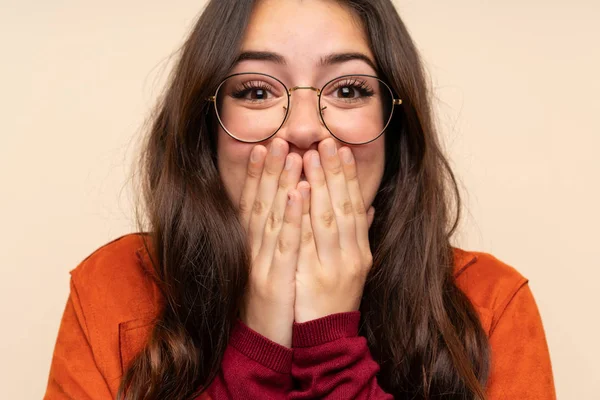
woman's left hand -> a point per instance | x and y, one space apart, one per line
335 256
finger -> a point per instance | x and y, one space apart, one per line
285 257
307 234
322 216
308 249
304 189
287 181
253 173
267 189
338 193
360 213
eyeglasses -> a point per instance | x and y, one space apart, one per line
356 109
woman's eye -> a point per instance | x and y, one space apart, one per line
252 93
352 91
346 92
258 94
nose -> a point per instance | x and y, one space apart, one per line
303 128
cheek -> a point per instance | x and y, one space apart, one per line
232 160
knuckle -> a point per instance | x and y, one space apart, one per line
273 220
351 175
347 208
257 276
336 169
329 280
307 237
270 170
327 218
355 274
258 207
244 205
283 245
354 270
284 184
318 184
254 173
359 207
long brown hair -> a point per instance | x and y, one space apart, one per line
421 329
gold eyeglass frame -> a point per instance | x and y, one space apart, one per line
289 91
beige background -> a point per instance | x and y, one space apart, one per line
517 87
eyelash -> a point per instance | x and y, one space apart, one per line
240 92
361 86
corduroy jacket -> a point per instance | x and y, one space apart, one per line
114 301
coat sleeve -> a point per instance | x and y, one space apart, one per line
73 371
521 367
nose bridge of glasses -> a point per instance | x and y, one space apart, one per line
304 87
314 89
295 88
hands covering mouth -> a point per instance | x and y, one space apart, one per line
307 228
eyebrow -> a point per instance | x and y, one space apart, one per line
330 59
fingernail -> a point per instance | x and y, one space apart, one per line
316 161
275 148
254 155
347 156
330 147
288 163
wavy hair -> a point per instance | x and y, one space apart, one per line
421 329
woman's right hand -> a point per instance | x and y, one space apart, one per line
273 228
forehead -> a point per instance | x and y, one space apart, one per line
304 32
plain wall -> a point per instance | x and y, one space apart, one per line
517 91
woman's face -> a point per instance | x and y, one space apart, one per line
302 32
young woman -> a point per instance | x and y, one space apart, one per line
300 214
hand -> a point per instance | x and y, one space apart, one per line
335 256
273 226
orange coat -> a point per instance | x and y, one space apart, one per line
113 301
